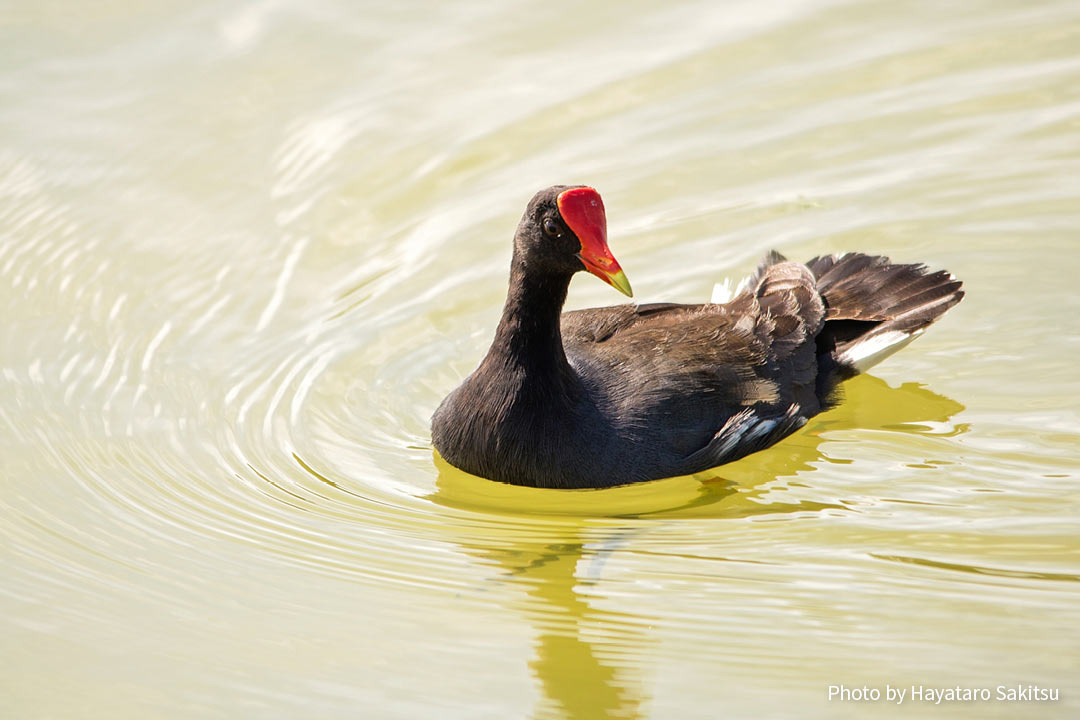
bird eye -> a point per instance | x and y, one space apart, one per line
551 228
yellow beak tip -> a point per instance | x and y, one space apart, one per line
620 282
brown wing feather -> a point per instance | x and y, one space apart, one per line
755 355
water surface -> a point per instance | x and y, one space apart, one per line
247 247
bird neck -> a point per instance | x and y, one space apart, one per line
529 336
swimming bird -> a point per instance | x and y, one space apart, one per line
615 395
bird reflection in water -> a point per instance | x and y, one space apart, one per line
591 657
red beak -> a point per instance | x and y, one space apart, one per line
583 212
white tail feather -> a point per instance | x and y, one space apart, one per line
721 292
864 354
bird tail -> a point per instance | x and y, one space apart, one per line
875 307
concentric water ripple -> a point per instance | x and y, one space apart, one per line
245 251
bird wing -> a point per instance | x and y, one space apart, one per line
734 376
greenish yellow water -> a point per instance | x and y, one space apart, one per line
246 248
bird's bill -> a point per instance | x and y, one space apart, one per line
616 279
582 210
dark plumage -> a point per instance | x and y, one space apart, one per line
614 395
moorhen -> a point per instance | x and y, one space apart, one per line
614 395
